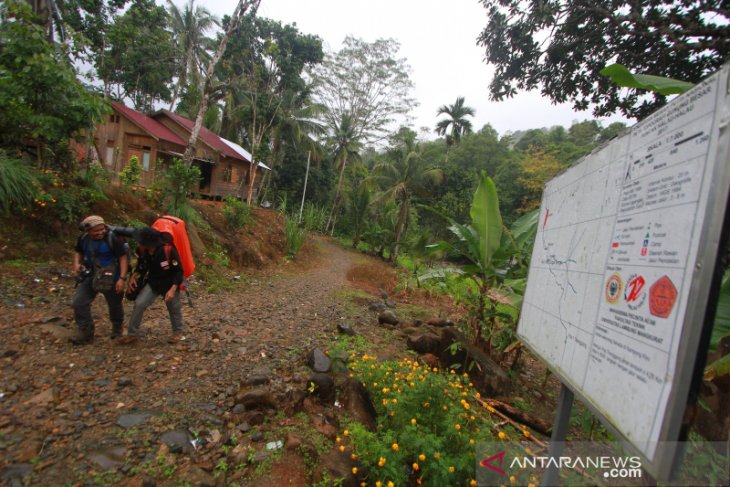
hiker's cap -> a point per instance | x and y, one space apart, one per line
91 222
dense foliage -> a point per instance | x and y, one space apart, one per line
560 47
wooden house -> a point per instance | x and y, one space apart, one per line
156 140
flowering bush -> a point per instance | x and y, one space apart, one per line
427 424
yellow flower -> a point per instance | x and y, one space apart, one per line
451 469
390 484
385 390
395 401
457 427
394 446
501 435
353 456
378 484
338 439
381 462
354 470
415 466
342 448
385 402
526 433
345 432
473 482
512 479
437 455
471 441
422 457
392 413
425 404
530 485
413 421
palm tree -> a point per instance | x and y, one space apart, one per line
457 122
346 147
404 174
189 26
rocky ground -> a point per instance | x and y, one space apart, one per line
229 405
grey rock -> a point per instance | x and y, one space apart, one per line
377 307
102 382
16 471
388 318
257 436
238 409
135 418
244 427
345 328
318 361
108 457
256 399
324 387
424 343
178 441
124 382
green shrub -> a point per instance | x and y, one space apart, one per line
17 184
294 236
314 218
132 173
180 179
427 424
236 213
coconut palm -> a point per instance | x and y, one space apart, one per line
189 27
456 125
404 174
346 146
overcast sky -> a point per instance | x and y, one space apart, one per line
438 39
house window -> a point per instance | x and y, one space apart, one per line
114 118
109 159
228 174
146 161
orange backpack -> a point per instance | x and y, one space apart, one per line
175 228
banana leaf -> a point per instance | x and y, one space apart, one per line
621 76
486 220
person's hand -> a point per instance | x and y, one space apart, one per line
133 283
170 295
119 286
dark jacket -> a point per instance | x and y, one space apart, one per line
105 254
162 268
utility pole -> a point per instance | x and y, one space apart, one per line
304 193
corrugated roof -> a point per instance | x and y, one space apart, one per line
246 154
149 125
206 135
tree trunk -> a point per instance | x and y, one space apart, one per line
338 192
241 8
399 230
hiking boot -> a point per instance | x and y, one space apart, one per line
116 332
82 339
128 340
172 339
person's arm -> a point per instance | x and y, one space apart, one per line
123 273
77 263
177 277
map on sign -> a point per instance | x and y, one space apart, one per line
617 244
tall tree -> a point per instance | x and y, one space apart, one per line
403 175
457 124
560 46
267 93
41 98
367 86
139 58
233 23
189 26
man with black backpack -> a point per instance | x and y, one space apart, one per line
159 272
100 264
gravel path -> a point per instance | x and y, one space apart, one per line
60 404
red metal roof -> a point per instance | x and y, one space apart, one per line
149 125
206 135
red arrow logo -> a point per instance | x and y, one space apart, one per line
488 462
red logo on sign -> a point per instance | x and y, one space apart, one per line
662 296
488 462
633 288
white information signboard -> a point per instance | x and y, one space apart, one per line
622 263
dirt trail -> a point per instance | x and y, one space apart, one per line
60 404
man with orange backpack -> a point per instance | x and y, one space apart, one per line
158 262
